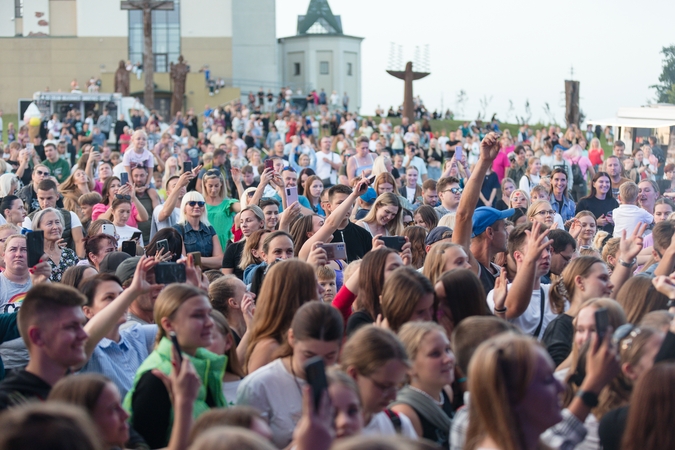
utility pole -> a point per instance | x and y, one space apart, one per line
147 6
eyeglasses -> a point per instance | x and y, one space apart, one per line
39 172
545 213
195 203
123 197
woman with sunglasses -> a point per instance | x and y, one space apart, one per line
220 209
600 202
197 232
111 189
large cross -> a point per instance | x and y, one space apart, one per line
147 6
408 76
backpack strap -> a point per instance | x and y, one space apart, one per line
395 420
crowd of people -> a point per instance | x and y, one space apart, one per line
465 289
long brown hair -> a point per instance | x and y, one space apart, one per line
464 297
308 184
652 407
640 287
233 365
400 295
81 390
499 374
416 235
371 280
288 285
315 320
395 225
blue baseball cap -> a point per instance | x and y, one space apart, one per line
485 216
369 196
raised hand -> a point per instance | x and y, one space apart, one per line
500 291
537 242
630 246
489 147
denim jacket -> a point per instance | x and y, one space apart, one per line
200 240
568 208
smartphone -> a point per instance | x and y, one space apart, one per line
371 179
447 155
394 242
269 164
315 371
35 242
459 153
30 147
174 341
601 323
291 195
197 258
136 236
129 247
124 178
109 229
170 272
187 166
163 245
336 250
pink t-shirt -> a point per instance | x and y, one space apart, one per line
501 164
100 208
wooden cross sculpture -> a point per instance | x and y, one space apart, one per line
408 76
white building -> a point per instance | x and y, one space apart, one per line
320 56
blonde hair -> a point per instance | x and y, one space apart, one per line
395 225
628 193
209 175
532 210
230 438
434 265
526 194
448 220
169 301
196 197
411 335
380 165
566 286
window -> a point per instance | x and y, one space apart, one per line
349 69
165 37
18 9
323 67
296 69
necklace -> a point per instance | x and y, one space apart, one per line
295 377
420 391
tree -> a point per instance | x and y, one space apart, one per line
665 91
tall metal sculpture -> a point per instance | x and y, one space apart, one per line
408 76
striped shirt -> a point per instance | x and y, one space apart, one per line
119 361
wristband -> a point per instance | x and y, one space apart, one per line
500 311
627 264
671 304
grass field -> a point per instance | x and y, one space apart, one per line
436 126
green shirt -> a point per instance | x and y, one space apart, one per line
221 218
59 169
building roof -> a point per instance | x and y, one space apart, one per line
319 19
650 116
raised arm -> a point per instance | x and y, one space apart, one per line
103 322
629 248
332 222
519 296
461 235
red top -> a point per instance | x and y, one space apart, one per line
343 301
595 155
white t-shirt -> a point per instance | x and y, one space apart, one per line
230 391
276 393
325 170
126 232
527 182
381 425
627 217
410 194
132 158
74 222
168 222
529 320
349 127
419 165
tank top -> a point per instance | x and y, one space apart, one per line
360 169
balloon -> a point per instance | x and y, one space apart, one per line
34 122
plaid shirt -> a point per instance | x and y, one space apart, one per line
565 435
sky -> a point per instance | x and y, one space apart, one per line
517 51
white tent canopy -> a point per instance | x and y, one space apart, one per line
633 122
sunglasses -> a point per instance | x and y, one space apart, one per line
456 190
627 331
213 172
123 197
39 172
195 203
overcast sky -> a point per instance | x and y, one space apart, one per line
518 50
